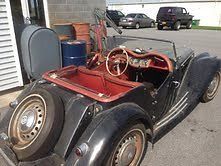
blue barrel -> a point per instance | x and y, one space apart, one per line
74 53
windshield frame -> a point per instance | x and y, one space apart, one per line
153 39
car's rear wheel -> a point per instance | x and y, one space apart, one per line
189 25
159 27
177 25
129 147
137 26
212 89
36 124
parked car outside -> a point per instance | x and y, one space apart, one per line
137 20
174 17
115 16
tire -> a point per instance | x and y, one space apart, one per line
124 27
159 27
189 25
36 124
177 26
212 89
133 136
137 26
152 25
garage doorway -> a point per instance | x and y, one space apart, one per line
26 12
33 12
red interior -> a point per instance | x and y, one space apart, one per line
92 83
97 83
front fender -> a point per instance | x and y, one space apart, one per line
202 71
99 134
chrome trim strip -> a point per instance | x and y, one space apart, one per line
178 102
175 108
172 117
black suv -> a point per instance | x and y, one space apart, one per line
115 16
173 17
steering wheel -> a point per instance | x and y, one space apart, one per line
117 62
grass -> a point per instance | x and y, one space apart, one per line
206 27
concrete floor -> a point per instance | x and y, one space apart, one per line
8 96
196 141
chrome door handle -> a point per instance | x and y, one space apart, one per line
176 84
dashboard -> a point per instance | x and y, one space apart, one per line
141 59
139 62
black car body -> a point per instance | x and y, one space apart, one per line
173 17
91 111
115 16
136 20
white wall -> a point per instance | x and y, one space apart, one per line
209 13
10 70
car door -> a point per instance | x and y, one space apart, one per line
115 17
174 91
178 86
119 16
162 99
139 19
178 13
184 16
146 21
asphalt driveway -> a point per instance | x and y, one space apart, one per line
196 141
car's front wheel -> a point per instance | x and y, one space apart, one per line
212 89
36 124
152 25
159 27
129 147
189 25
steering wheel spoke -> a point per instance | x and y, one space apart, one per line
115 59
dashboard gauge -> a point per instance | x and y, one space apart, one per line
136 61
142 63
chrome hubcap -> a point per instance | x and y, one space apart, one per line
27 121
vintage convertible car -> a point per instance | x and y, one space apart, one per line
108 112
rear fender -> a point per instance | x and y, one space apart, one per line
99 134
